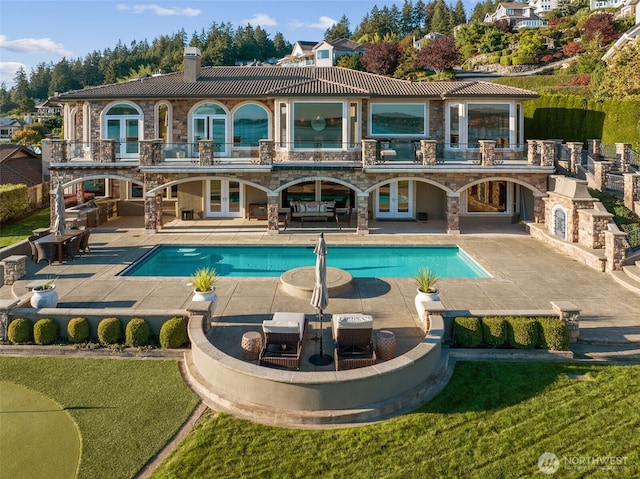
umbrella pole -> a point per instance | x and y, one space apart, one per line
321 359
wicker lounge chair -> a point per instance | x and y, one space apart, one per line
283 337
353 340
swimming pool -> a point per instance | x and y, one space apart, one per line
273 261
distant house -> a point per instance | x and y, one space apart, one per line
630 8
517 15
598 4
419 43
19 165
47 109
543 6
8 127
320 54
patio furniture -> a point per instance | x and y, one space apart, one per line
353 339
386 345
251 345
283 336
46 251
34 251
84 241
71 248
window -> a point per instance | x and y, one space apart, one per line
353 125
454 125
317 125
322 54
210 123
397 119
163 122
488 122
250 124
282 124
487 197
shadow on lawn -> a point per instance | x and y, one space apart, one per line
486 386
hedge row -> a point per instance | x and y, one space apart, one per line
173 332
511 331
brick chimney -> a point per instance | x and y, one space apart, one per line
192 58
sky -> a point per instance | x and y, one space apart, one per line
37 31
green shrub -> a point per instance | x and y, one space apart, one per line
505 61
110 331
173 333
78 330
467 332
553 334
494 59
522 333
494 331
137 332
20 331
45 331
523 59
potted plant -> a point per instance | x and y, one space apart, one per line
204 282
45 294
426 280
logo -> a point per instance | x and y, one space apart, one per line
548 463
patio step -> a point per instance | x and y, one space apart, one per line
633 271
629 277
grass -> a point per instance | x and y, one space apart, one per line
22 229
126 410
492 420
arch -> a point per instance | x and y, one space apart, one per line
167 128
331 179
153 191
444 188
109 106
536 192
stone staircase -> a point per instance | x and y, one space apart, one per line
629 277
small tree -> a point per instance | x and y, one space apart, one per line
381 58
439 54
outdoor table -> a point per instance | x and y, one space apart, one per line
59 240
386 345
251 345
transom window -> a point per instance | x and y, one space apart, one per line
398 119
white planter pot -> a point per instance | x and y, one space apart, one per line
206 296
44 298
422 296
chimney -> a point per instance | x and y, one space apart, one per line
192 59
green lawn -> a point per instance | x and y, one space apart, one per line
125 410
493 420
10 234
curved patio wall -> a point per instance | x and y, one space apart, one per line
281 396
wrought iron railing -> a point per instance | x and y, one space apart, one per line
614 183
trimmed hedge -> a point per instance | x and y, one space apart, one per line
173 333
78 330
109 331
45 331
467 331
553 334
494 331
20 331
522 333
137 332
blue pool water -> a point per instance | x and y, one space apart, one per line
272 261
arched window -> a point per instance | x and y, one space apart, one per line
122 124
209 122
250 124
559 215
163 122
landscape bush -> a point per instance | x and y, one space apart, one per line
173 333
553 334
137 332
467 332
45 331
20 331
78 330
494 330
109 331
522 333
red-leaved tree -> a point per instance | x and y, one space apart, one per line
601 25
381 58
439 54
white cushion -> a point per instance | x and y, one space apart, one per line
280 327
312 207
323 207
353 321
302 208
287 318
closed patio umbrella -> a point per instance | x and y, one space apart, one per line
58 227
320 296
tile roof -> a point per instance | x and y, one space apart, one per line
19 165
273 82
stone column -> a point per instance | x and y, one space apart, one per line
487 152
453 214
593 147
6 305
80 192
615 249
570 314
533 156
362 217
539 209
267 152
631 189
150 152
623 155
106 151
152 204
59 151
369 152
548 153
428 150
272 215
14 267
575 156
600 170
205 147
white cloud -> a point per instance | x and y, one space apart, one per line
160 11
261 19
322 24
34 46
8 72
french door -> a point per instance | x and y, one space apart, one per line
212 127
225 199
395 200
125 132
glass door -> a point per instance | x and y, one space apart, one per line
125 132
225 199
395 200
212 128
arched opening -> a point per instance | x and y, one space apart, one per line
122 123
